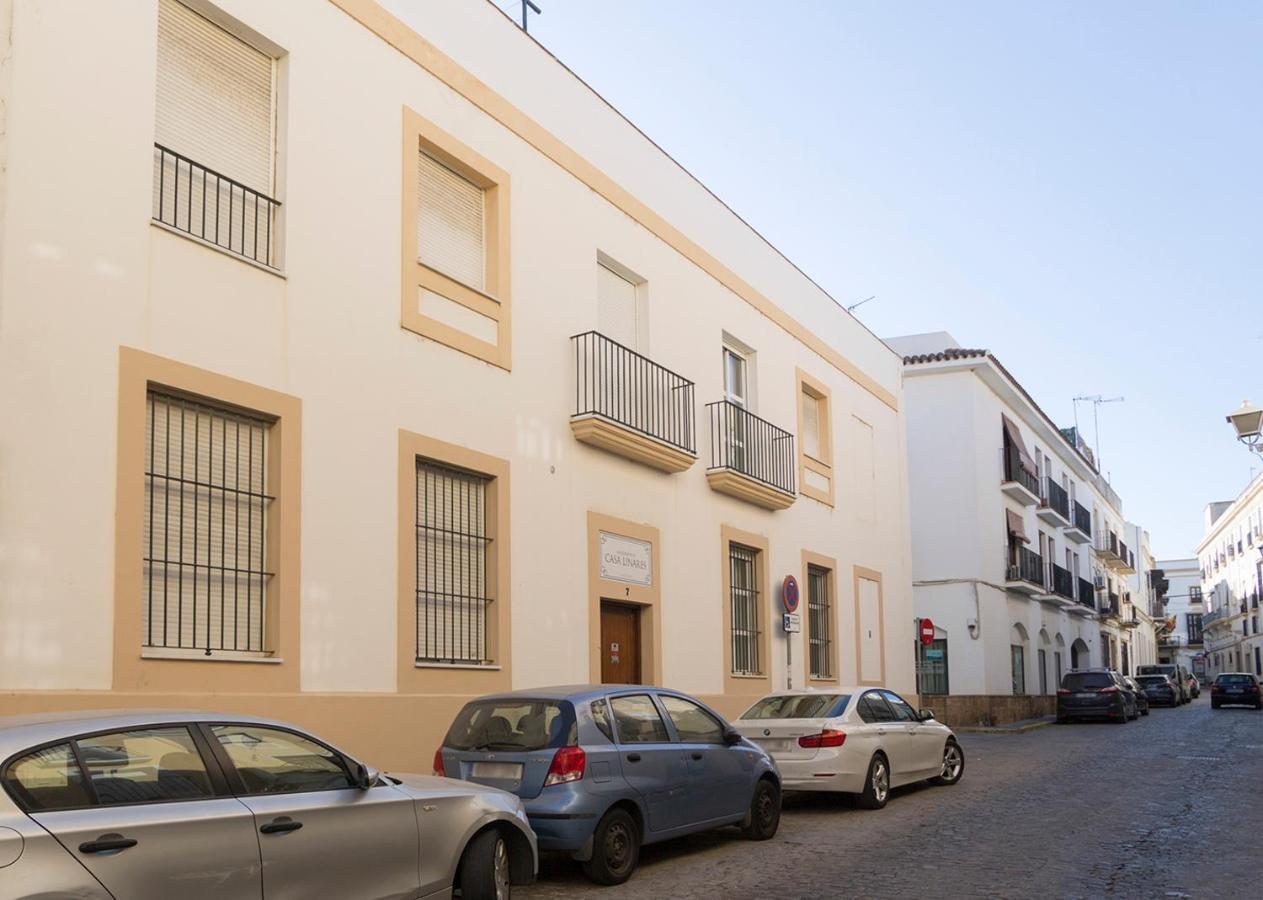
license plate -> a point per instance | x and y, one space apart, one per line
773 745
497 770
1236 690
1085 696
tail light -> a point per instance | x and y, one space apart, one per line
438 762
568 765
1112 689
1214 689
1062 692
826 738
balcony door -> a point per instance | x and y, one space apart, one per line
736 392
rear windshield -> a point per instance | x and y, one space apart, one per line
1167 669
512 725
1084 681
1152 679
798 706
1235 679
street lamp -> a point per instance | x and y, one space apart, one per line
1248 421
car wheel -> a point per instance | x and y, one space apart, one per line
1144 711
615 848
484 869
877 784
765 812
953 764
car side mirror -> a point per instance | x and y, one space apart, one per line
925 715
732 736
365 776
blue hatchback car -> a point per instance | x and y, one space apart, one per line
603 769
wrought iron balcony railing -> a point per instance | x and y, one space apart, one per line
198 201
1109 605
1082 518
1056 498
1087 594
631 390
1028 567
1062 582
744 443
1013 470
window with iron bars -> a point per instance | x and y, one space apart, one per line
743 572
819 622
205 527
453 552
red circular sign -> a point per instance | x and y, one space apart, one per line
789 593
927 632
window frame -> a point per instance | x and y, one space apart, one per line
662 698
864 698
233 777
827 565
758 639
493 300
820 465
653 704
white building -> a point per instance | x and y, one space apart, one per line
357 359
1143 614
1230 556
1019 545
1181 638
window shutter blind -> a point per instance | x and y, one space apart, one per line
214 97
449 222
811 425
616 307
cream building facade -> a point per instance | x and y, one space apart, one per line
1180 641
1230 556
1019 545
357 359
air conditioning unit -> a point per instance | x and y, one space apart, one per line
1100 582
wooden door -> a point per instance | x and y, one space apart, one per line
620 643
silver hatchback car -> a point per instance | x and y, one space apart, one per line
195 806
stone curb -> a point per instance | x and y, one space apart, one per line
1015 728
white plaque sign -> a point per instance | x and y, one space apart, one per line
626 559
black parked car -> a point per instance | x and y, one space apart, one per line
1094 694
1138 694
1160 689
1235 688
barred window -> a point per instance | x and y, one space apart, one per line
453 548
206 574
742 562
819 622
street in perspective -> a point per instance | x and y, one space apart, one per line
544 448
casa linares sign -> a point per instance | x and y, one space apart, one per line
626 559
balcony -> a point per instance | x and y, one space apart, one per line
1126 560
1026 574
213 208
1063 584
1085 597
1018 483
1109 606
1080 528
1107 545
627 404
1054 505
750 458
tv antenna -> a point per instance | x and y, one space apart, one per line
528 6
855 306
1096 400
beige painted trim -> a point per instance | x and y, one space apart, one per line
743 487
396 33
806 384
871 575
647 598
601 432
439 679
823 562
421 134
751 686
135 670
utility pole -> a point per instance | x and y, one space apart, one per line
527 5
1096 400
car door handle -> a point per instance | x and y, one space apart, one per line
633 757
697 756
107 842
881 730
281 825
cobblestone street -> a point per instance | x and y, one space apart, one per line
1166 806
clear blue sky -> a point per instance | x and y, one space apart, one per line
1076 186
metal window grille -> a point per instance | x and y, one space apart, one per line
742 562
453 550
205 526
819 622
932 667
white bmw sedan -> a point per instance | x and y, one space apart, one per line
861 741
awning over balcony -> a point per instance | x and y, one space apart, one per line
1015 438
1015 526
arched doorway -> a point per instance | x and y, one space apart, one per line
1080 658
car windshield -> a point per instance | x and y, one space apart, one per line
512 725
1235 679
1149 680
1087 681
1156 670
798 706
